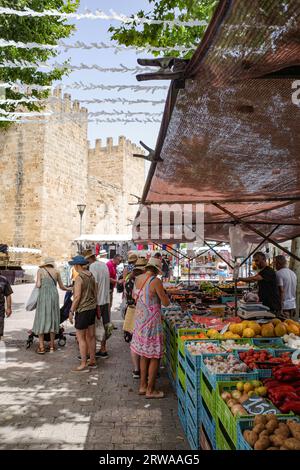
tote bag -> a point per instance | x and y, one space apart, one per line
32 301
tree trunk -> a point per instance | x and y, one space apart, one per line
295 266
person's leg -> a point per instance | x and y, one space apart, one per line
135 359
105 315
153 369
41 343
91 342
52 341
144 366
81 337
1 326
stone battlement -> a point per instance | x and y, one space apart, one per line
63 103
123 145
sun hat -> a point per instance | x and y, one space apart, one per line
102 253
78 260
140 263
132 258
154 263
48 262
88 254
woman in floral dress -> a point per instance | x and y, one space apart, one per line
147 339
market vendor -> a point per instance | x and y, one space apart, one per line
268 291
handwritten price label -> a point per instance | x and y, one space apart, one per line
259 406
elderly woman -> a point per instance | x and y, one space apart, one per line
147 339
47 315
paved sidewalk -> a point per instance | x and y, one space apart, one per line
45 406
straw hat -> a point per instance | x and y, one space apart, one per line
48 262
140 264
155 263
88 254
132 258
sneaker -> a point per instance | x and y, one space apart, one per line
102 355
136 374
92 366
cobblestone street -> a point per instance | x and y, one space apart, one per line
44 405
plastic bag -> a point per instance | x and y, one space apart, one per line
239 246
32 301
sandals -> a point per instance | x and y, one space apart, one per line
156 394
40 351
141 392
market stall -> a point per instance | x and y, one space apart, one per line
229 140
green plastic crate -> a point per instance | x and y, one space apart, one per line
181 376
223 441
186 331
224 414
208 395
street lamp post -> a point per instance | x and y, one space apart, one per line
81 209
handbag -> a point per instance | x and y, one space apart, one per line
32 301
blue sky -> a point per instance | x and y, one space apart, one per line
96 31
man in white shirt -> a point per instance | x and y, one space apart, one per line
101 274
287 283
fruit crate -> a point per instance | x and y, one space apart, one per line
182 413
194 361
208 395
186 331
226 298
181 376
242 444
193 413
268 343
223 441
208 423
214 378
193 383
224 414
238 342
191 437
204 442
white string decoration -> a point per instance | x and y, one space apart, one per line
23 114
41 65
91 101
19 85
115 112
93 86
82 120
99 15
93 45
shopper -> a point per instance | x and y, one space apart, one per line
158 255
165 268
129 322
112 268
132 259
147 339
84 307
5 302
47 314
101 274
268 290
287 283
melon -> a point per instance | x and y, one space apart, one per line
255 327
292 329
267 331
280 329
248 333
276 321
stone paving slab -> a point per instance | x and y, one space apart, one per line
46 406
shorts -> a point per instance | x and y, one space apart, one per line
105 313
288 314
1 325
85 319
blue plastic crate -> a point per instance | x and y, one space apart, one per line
193 386
208 423
194 360
214 378
268 343
194 410
192 438
182 415
181 394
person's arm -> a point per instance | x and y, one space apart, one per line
159 289
8 310
255 278
61 285
38 279
76 297
280 288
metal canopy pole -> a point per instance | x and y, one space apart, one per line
253 229
258 246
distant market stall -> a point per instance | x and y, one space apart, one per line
229 140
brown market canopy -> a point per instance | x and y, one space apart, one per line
230 137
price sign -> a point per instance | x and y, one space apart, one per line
224 329
259 406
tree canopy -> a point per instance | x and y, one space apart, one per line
43 30
162 35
